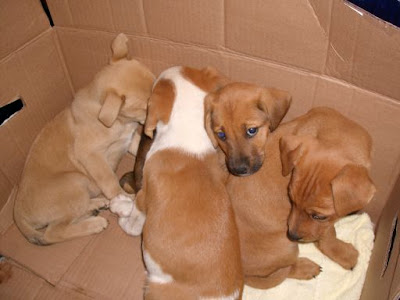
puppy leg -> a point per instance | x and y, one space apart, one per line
304 268
66 230
268 281
133 225
340 252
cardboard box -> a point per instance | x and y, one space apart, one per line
324 52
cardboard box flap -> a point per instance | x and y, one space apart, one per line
364 50
20 22
386 250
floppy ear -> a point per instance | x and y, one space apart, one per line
352 189
159 105
291 150
110 109
217 79
275 103
208 111
119 47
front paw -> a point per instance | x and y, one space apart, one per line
133 225
304 269
121 205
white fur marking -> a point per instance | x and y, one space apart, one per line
121 205
233 296
185 129
155 273
133 225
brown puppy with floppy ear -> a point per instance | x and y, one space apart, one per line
239 119
328 158
70 170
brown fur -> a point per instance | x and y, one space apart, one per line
331 157
236 108
260 201
189 230
70 170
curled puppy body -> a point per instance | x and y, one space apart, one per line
327 158
240 118
70 170
190 240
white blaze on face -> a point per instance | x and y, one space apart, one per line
185 129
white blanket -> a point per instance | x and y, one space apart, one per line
334 282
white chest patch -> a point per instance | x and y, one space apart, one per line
155 273
185 130
233 296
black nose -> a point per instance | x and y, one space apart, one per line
293 236
240 170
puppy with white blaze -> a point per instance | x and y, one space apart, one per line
190 240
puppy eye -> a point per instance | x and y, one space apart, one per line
319 217
221 135
252 131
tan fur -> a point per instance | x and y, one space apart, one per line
70 170
189 230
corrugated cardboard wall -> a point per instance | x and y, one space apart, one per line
323 52
31 68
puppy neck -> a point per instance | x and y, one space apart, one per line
185 130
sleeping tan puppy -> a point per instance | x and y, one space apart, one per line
70 170
190 241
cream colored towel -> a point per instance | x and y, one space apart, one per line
334 282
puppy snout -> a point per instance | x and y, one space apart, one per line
239 167
293 236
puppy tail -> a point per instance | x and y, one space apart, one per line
119 47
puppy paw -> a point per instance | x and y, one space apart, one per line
121 205
133 225
304 269
97 224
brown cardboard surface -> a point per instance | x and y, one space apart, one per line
34 73
190 21
49 263
100 15
378 281
281 31
23 285
110 266
364 50
26 18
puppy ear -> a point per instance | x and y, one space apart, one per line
291 150
276 104
217 79
159 105
110 109
208 111
119 47
352 189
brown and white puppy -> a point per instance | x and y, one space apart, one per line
70 170
328 157
190 240
239 119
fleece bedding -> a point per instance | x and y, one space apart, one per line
334 282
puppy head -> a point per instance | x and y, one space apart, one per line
239 118
124 86
324 186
